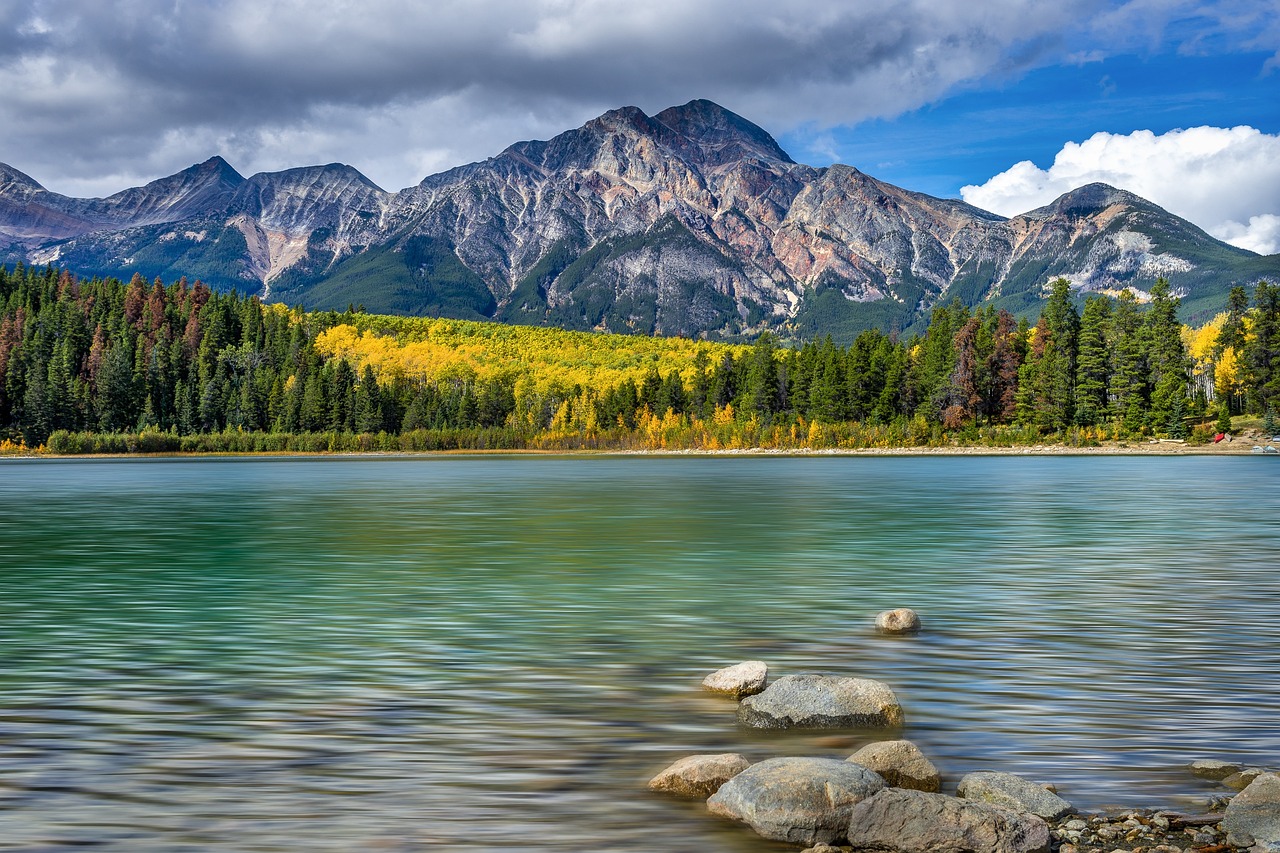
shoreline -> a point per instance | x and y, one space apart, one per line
1240 447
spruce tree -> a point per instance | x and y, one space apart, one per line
368 403
1128 383
1262 348
1092 374
1167 359
1224 418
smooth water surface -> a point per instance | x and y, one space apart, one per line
497 652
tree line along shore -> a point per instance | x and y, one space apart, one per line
101 366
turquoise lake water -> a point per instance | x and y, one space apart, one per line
497 652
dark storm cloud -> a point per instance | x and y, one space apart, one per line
94 96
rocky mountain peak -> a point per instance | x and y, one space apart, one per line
723 136
12 178
309 175
299 200
1086 200
219 169
625 120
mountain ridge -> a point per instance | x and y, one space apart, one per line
693 221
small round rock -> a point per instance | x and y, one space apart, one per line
901 764
901 621
743 679
699 776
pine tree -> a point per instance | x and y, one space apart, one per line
1092 375
1224 418
760 396
118 391
1167 360
1046 379
1261 353
1128 383
368 403
1007 349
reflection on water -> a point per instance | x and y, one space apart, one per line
442 653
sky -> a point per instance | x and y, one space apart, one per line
1004 103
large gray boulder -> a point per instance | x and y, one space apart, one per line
742 679
699 776
1013 792
900 763
821 701
1253 815
799 800
900 821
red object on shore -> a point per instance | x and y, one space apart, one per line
1219 437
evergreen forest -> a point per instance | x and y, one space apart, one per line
101 366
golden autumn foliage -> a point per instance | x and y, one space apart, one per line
541 358
1228 380
1201 342
1221 370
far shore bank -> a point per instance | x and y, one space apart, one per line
1237 447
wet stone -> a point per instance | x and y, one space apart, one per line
699 776
814 701
743 679
1212 769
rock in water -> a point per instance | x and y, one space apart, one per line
743 679
800 800
1014 792
1253 815
898 821
699 776
900 621
812 701
1211 769
900 763
1243 779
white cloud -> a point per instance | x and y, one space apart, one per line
1226 180
141 87
98 96
1261 235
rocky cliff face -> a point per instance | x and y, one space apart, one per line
692 221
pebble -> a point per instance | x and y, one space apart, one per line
1135 832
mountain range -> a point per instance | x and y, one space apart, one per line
689 222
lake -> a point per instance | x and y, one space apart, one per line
498 652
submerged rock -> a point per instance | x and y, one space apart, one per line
900 763
1253 815
743 679
900 821
1014 792
799 800
901 621
1243 779
699 776
822 701
1210 769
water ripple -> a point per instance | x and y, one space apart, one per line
443 653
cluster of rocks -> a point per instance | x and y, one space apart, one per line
886 796
895 807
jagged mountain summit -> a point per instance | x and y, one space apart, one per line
692 221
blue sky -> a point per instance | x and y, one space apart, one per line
990 124
1006 103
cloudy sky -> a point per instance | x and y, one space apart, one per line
1006 103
